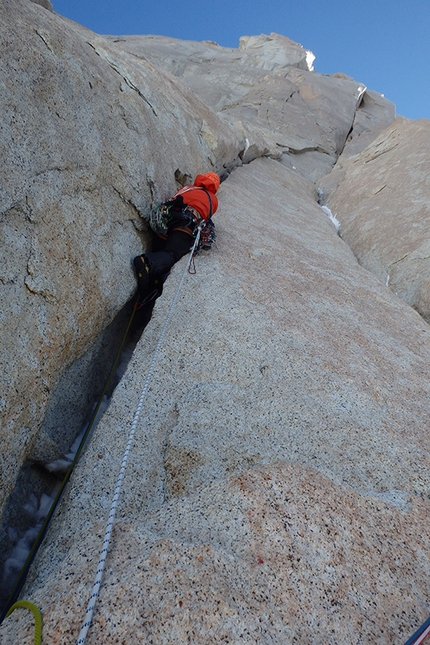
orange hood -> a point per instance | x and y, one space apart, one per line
209 180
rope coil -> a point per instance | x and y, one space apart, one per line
105 546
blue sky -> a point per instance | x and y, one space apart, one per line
381 43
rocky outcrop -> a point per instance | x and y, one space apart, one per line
46 4
381 199
373 115
278 483
266 89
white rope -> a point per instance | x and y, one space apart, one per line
105 546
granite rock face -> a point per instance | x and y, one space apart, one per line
89 142
373 115
95 132
381 199
277 489
78 179
46 4
267 90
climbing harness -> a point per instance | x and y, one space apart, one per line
43 529
163 217
37 618
105 546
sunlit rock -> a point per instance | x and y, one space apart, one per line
89 143
382 202
277 470
277 486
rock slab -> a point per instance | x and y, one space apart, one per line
277 489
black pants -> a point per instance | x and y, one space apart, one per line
165 253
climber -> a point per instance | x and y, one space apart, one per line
175 227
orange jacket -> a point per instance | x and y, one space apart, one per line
197 198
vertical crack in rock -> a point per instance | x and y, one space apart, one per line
71 406
127 201
44 37
152 188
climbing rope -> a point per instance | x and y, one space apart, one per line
420 635
105 546
37 618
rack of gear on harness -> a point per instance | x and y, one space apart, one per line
162 217
207 236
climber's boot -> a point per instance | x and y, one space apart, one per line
143 271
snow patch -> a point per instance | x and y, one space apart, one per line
22 545
38 510
310 58
332 217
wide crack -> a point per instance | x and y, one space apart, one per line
70 410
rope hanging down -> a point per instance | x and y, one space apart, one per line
105 546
